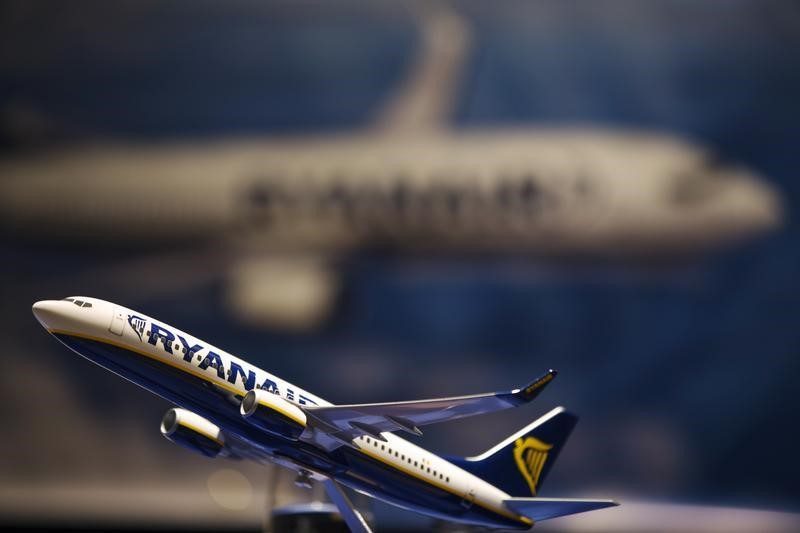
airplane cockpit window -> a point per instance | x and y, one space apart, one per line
79 303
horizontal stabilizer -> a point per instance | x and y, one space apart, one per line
539 509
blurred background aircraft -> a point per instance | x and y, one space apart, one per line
277 213
684 385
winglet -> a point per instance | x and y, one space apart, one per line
535 387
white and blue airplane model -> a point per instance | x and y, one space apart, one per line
229 408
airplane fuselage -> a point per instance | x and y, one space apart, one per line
272 217
210 382
537 191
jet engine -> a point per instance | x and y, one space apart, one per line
192 431
273 414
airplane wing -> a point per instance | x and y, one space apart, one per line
346 422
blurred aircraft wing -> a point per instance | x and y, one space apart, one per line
345 422
292 293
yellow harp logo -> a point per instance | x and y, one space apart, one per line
530 455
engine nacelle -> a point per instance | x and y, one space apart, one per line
192 431
273 414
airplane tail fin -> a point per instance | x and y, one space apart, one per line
519 464
539 509
425 100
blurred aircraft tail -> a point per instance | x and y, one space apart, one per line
425 99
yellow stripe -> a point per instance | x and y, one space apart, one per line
226 385
284 413
201 432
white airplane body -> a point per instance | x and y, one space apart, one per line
582 192
277 216
227 407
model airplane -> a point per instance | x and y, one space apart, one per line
227 407
279 213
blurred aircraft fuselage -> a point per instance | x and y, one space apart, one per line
283 209
538 192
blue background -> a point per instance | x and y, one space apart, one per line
685 378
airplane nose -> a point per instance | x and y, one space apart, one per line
763 209
47 312
771 213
